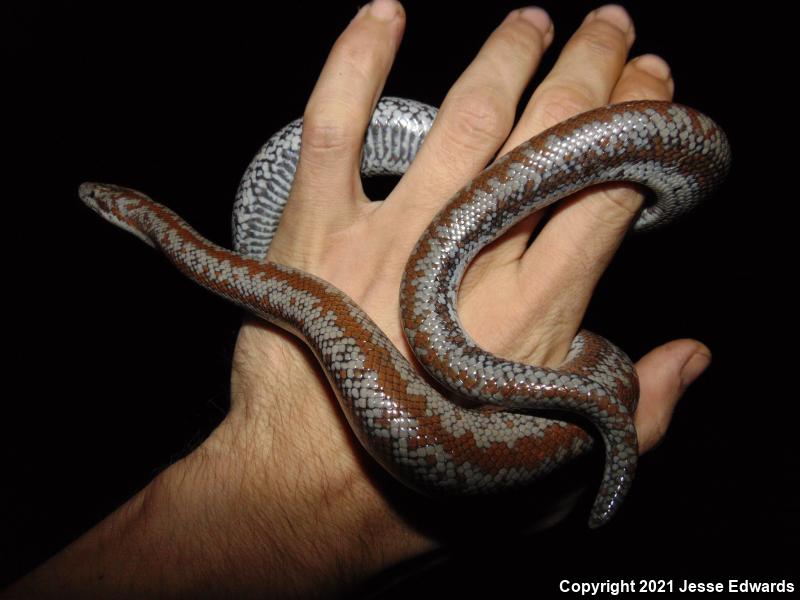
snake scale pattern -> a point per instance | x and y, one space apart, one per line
499 439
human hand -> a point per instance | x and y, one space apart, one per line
362 246
278 497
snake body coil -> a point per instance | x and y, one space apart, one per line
427 441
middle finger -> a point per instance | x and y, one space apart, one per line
476 116
583 78
584 75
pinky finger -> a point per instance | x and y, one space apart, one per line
646 77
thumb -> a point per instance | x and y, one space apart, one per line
664 374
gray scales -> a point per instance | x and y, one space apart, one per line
425 440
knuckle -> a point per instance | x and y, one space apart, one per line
601 38
625 202
479 119
325 131
564 100
357 57
518 42
615 207
323 137
645 92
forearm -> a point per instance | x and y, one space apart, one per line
222 523
123 556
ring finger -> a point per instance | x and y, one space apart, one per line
573 250
583 78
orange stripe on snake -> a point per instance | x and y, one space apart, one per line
435 444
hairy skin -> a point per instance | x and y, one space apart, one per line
280 499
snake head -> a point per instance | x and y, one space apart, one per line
115 204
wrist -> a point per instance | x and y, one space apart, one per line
291 530
263 504
306 488
287 486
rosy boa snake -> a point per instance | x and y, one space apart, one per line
431 443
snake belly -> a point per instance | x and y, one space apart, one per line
429 442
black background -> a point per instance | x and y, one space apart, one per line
117 365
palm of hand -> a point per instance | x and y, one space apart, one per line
520 302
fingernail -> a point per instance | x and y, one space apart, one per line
654 65
537 17
383 10
695 366
614 14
